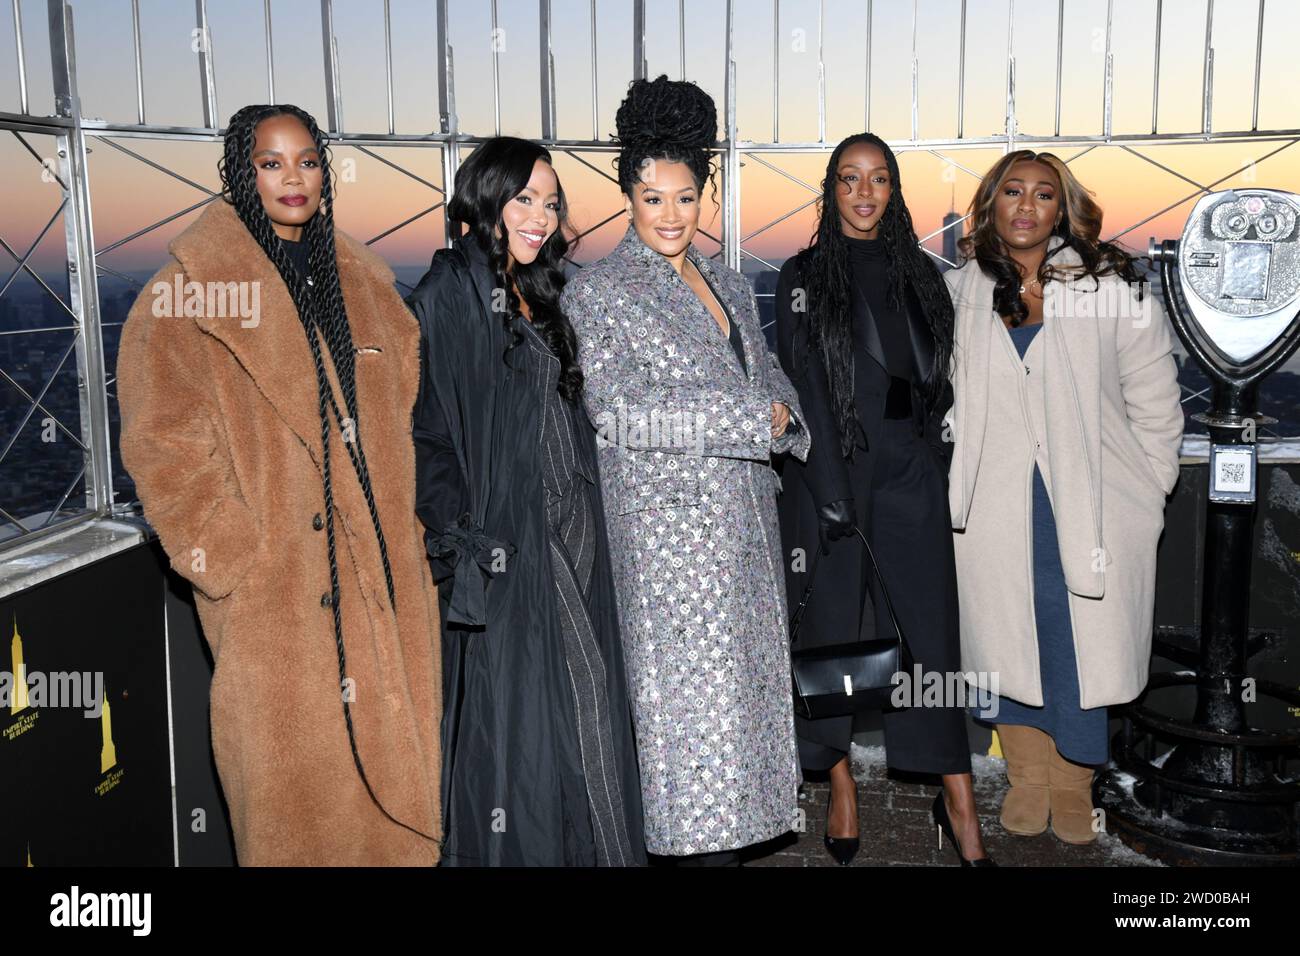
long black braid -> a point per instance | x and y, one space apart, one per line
319 301
825 275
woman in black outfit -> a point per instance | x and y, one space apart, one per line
865 331
539 763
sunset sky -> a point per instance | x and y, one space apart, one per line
129 195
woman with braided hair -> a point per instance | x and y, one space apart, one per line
865 329
540 764
271 450
690 406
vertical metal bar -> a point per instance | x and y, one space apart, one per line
1060 39
388 63
638 40
916 78
446 96
207 76
547 62
1108 79
681 36
450 164
83 291
595 98
961 77
1207 114
496 72
1011 76
821 71
447 118
776 71
333 100
139 61
731 192
1155 82
867 118
270 52
21 57
1207 69
1259 53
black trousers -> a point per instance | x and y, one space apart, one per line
902 504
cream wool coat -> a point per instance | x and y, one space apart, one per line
1096 403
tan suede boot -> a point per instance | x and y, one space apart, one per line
1070 785
1026 805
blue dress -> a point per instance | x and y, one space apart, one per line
1080 735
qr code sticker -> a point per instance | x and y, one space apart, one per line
1232 473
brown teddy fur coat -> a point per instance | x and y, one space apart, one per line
221 432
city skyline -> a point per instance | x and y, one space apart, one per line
1146 188
1128 181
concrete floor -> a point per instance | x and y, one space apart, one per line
896 829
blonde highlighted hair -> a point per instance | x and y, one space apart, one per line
1079 228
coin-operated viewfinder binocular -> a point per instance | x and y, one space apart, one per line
1232 288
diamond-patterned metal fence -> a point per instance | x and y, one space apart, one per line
58 418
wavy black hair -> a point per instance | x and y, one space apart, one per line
493 175
825 274
665 119
324 318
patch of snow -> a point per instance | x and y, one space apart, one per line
1120 854
1124 781
867 761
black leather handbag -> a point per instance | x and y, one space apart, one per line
839 679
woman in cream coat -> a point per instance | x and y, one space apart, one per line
1066 448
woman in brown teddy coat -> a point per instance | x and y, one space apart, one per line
267 376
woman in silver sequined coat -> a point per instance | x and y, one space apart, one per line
689 406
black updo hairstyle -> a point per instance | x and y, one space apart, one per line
494 175
665 119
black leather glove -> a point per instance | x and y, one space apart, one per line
835 519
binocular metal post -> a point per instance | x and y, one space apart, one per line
1221 795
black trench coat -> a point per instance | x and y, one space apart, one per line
909 530
513 788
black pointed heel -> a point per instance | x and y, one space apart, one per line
941 820
841 849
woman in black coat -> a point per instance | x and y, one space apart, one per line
539 764
865 331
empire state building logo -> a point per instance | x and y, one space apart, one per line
109 772
19 670
108 752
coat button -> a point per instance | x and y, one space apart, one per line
325 599
318 522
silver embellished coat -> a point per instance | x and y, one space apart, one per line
684 437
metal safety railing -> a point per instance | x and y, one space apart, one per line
91 493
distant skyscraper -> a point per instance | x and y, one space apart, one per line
951 233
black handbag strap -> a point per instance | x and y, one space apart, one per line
797 617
